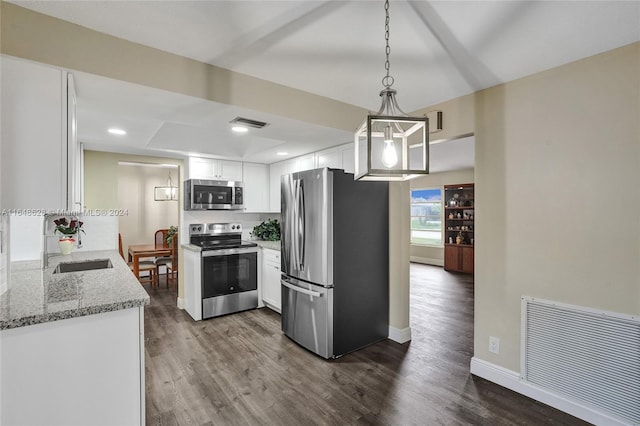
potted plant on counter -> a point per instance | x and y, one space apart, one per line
268 230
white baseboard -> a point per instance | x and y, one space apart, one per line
400 335
511 380
180 303
427 260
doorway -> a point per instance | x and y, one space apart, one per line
144 194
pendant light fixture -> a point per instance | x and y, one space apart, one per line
166 193
389 145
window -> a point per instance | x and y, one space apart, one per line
426 216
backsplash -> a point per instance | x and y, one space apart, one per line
101 233
248 220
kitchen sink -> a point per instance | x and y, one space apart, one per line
83 265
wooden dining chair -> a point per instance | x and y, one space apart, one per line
143 266
171 265
161 238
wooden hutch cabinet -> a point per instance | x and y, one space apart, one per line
459 228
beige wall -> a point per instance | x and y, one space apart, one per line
429 254
399 233
557 198
101 176
458 117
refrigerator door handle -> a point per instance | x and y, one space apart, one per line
303 215
301 290
294 224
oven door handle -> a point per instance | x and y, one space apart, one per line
301 290
225 252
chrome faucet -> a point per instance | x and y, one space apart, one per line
77 218
45 237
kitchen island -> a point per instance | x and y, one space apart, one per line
72 344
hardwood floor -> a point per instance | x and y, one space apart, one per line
241 370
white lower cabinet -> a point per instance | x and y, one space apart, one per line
271 293
192 273
86 370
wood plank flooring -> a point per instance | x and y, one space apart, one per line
241 370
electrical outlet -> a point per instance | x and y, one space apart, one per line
494 345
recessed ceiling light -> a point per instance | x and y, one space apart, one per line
115 131
239 129
282 153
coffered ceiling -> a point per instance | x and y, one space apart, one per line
439 50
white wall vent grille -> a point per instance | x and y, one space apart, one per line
590 356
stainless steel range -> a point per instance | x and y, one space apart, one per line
229 268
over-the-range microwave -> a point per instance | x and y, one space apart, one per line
213 195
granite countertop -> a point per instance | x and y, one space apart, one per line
37 296
273 245
191 247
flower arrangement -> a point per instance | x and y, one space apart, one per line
67 228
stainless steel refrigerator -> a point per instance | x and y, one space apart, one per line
335 261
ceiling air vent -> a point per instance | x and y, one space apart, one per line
250 123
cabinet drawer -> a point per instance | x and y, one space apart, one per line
271 257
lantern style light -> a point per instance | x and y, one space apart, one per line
390 145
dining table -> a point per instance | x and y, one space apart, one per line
142 251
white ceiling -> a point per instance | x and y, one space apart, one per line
439 50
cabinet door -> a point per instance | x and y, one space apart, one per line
330 158
451 258
192 274
228 170
34 150
202 168
467 260
271 293
74 151
306 162
349 159
276 170
256 187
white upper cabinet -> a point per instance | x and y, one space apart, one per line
276 170
348 158
256 187
34 136
299 164
331 157
212 169
339 157
229 170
